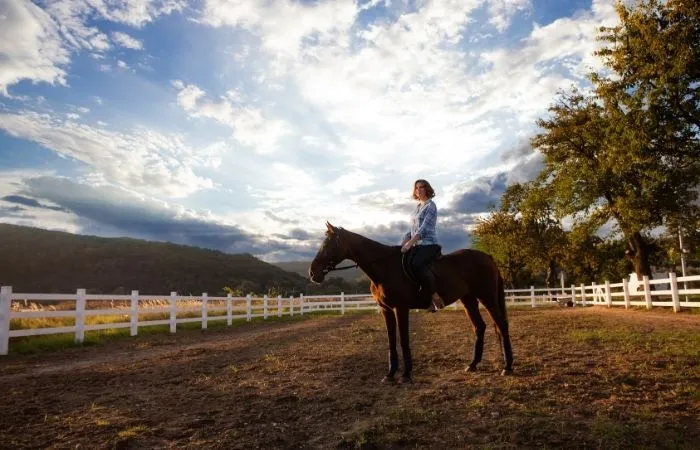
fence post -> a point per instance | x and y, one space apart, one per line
583 295
301 304
573 295
5 308
265 306
229 310
279 306
342 303
594 293
205 311
248 308
608 294
626 290
647 290
173 311
291 305
532 296
80 316
134 313
674 292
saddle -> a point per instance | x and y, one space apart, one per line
407 264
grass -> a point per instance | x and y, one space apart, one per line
660 343
52 342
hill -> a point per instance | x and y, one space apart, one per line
37 260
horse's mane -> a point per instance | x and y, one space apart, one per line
378 244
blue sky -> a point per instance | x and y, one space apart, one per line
244 125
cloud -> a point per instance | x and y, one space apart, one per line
142 159
333 113
249 125
33 203
480 195
322 21
36 44
111 211
502 11
526 169
30 46
126 41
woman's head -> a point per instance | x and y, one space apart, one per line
422 185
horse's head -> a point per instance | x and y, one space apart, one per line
332 251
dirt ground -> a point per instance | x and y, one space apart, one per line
584 378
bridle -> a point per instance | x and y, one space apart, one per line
330 267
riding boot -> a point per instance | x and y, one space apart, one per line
436 303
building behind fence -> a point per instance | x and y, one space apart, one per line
676 293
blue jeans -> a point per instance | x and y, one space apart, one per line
422 259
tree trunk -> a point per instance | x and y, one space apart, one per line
638 253
551 279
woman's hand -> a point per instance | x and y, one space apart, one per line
406 247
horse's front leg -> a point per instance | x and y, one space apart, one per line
390 322
402 316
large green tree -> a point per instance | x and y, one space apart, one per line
628 153
523 238
542 237
501 235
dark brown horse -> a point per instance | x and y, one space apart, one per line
467 275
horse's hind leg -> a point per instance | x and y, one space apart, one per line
471 306
498 314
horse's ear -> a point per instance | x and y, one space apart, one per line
331 228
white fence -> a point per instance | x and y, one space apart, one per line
206 309
14 305
669 292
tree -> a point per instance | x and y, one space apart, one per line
542 236
500 235
521 236
628 154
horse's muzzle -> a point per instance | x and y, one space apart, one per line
316 276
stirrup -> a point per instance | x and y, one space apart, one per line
434 307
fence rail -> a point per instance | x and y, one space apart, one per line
229 308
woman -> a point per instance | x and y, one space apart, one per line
423 237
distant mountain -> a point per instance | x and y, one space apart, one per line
37 260
302 268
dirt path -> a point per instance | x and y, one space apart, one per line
584 378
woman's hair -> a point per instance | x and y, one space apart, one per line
429 191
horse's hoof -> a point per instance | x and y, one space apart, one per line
389 379
470 368
507 372
406 380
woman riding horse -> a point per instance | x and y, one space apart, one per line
423 239
467 275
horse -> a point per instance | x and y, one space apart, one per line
467 275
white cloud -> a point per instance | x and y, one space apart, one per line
127 41
30 46
502 11
410 97
326 21
250 126
36 43
143 160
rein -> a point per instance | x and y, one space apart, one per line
340 268
331 267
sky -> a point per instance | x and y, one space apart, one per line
245 125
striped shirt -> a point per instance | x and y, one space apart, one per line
423 222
